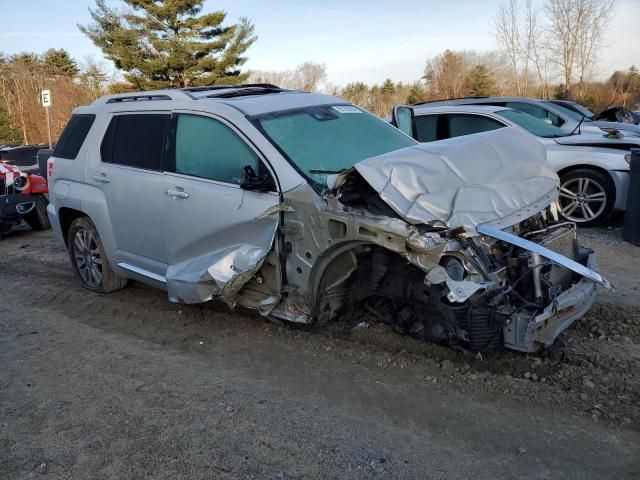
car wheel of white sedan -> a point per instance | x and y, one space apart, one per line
586 197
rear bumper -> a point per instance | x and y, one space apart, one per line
529 334
52 213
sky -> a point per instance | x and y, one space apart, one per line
358 40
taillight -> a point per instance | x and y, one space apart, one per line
49 168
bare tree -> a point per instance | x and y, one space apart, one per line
445 74
575 34
507 33
307 76
591 39
533 49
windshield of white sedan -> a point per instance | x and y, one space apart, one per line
329 139
534 125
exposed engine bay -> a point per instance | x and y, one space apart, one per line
478 296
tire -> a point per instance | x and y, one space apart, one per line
89 260
587 197
37 218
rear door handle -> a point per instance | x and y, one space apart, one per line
101 178
177 193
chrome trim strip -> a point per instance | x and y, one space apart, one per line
494 232
143 272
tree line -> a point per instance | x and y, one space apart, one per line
550 52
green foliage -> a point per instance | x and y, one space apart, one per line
416 94
560 92
9 133
171 43
388 88
59 63
480 82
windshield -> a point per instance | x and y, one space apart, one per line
571 113
580 108
327 139
534 125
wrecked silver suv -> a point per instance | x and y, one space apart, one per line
307 208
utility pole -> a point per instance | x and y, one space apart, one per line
45 95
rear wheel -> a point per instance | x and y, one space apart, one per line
89 260
587 197
37 218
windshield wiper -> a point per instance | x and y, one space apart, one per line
326 172
578 126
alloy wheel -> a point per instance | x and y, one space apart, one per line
87 258
582 199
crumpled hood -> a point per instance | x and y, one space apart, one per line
499 177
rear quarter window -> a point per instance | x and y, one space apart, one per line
135 140
73 136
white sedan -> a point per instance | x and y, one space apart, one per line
593 169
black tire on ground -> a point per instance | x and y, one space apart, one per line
89 260
587 197
37 218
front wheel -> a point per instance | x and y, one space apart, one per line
89 259
587 197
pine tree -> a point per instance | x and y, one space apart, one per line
416 94
171 43
59 63
480 82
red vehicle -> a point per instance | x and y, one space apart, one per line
23 196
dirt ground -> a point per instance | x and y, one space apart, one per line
129 385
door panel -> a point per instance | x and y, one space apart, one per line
216 233
130 178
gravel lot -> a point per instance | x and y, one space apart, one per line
129 385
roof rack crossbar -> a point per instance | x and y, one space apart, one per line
139 98
154 95
223 87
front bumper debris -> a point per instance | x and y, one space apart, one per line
529 333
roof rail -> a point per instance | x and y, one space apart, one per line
222 87
448 100
169 94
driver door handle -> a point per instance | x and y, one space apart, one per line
101 178
177 192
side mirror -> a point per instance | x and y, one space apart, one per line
547 121
254 182
404 120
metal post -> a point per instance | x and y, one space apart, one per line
631 232
46 109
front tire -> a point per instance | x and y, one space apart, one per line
89 260
587 197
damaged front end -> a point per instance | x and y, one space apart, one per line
475 291
491 267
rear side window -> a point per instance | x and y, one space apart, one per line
73 136
461 124
427 128
135 140
535 111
